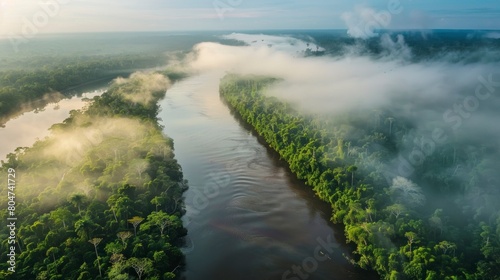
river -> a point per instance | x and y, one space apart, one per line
27 128
247 216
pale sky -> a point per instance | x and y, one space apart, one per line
55 16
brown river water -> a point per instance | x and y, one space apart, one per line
247 216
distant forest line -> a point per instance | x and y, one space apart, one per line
24 90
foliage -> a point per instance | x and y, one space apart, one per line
94 180
27 89
393 221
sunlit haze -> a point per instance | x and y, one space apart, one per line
238 139
63 16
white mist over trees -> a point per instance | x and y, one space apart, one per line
404 191
420 129
100 174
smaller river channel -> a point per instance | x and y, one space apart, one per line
24 130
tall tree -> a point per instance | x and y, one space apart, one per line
352 169
52 251
95 241
61 215
390 120
124 235
396 209
141 266
159 219
77 200
412 238
135 221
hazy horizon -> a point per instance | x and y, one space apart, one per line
70 16
385 111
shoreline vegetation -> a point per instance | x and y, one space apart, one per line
101 197
396 227
24 90
52 67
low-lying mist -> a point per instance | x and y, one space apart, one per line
91 154
444 104
141 87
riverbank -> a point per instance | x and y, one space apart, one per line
247 216
102 194
344 159
25 129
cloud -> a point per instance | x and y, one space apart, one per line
363 22
106 151
395 48
141 87
492 35
92 150
340 84
416 94
334 84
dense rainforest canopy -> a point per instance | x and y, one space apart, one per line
25 89
101 197
50 67
426 225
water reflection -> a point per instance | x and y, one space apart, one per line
25 129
